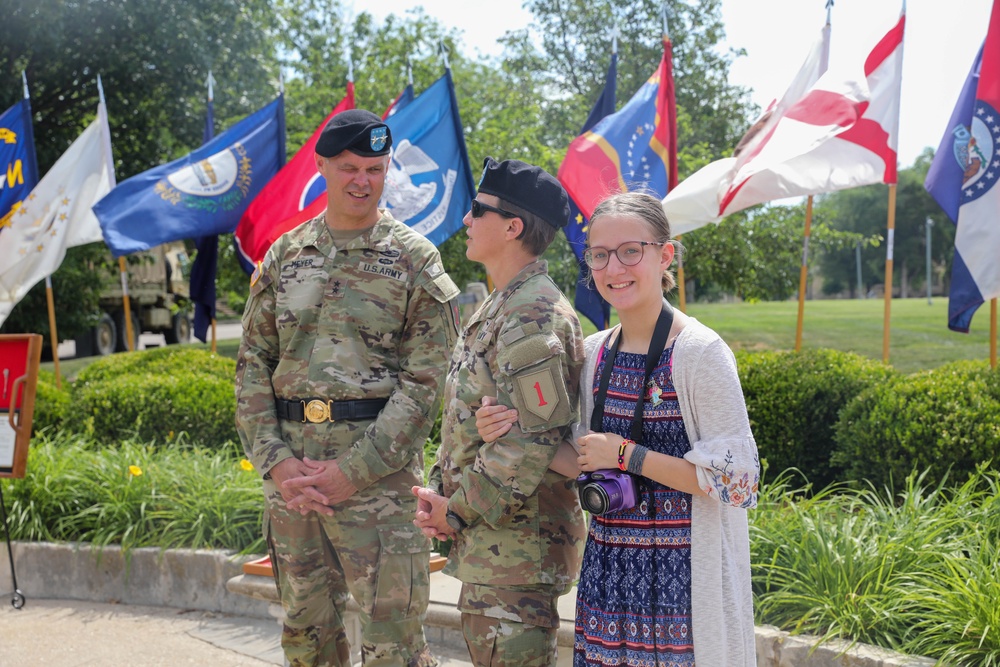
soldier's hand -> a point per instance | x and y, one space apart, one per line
326 484
493 420
431 510
295 500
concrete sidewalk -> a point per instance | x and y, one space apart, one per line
71 633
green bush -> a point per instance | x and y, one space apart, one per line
793 400
157 394
52 404
939 420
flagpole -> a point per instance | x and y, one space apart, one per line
210 82
122 269
804 273
993 333
672 178
53 336
888 272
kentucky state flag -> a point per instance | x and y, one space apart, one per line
296 186
636 147
587 300
200 194
17 159
965 172
429 183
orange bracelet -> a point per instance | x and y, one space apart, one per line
621 453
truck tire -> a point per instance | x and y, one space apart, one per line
104 336
121 345
180 329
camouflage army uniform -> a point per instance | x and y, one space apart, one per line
524 538
374 319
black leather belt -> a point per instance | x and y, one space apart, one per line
317 410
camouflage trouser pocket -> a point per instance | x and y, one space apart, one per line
402 586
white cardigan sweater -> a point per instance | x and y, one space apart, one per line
725 454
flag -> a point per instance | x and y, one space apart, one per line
953 156
400 102
429 182
297 185
588 300
201 286
635 147
975 272
839 132
57 214
17 158
200 194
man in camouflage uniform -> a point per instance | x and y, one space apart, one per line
518 527
350 320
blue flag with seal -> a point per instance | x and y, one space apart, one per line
947 170
587 300
17 159
200 194
429 184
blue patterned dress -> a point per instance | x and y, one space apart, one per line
633 604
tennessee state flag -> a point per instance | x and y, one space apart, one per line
293 189
635 147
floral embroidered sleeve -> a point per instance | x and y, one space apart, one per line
724 453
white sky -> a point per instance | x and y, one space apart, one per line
941 40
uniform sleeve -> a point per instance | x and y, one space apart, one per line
537 373
256 419
399 432
725 452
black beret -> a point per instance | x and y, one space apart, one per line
359 131
528 187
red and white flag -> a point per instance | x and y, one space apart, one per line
276 209
830 131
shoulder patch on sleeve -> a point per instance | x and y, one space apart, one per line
261 276
532 370
439 284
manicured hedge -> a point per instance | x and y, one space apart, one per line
52 405
946 418
794 400
154 395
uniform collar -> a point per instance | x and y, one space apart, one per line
377 238
537 267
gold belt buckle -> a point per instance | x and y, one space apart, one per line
317 411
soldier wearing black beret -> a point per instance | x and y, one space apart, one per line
347 332
516 522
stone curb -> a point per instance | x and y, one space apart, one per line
211 580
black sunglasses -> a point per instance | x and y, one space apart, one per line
479 209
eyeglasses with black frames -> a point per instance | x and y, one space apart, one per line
628 253
479 209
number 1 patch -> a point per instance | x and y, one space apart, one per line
539 393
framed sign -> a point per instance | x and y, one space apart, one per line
19 357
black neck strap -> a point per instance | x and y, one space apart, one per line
656 346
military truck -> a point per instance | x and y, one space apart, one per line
158 299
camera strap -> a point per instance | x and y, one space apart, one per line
656 346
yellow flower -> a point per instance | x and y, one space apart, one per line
246 465
135 471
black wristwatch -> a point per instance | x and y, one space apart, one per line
456 522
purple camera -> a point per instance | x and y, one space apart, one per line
603 491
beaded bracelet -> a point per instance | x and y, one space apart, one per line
636 460
621 453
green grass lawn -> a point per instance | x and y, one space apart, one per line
920 337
